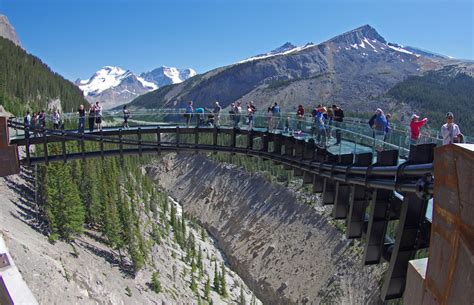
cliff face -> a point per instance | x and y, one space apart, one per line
7 31
285 250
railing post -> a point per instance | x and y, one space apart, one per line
299 146
288 151
120 143
214 139
410 236
27 138
233 137
329 185
308 154
83 149
318 181
358 201
342 191
63 144
177 137
158 140
101 145
265 140
45 146
196 139
250 139
381 204
139 131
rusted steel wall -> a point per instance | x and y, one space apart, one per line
450 270
9 163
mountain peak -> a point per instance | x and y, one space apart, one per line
285 47
7 31
358 34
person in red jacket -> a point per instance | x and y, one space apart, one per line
415 126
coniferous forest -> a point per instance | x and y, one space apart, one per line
437 92
27 83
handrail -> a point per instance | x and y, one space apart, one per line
349 174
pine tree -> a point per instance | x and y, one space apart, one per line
223 284
155 284
207 289
242 296
193 283
64 208
200 263
217 281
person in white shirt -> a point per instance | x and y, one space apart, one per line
56 118
450 131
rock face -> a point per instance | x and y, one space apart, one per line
352 69
7 31
286 251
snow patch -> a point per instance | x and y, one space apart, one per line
400 50
268 55
367 41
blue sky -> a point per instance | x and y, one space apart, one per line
77 37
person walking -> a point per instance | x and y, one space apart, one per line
200 117
299 118
98 115
388 129
251 114
126 116
56 118
82 118
91 118
450 131
321 126
237 114
338 118
270 118
189 113
217 114
27 119
35 123
379 126
276 116
42 119
415 126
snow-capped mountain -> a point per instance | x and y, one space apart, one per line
354 69
113 86
163 76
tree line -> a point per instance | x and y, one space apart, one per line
27 83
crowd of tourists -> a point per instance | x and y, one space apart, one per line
324 120
37 120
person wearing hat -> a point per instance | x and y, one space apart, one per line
450 131
415 126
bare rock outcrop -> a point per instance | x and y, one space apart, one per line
285 250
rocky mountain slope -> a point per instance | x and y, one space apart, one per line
87 271
7 31
284 249
114 86
354 69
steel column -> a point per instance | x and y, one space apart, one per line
358 201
